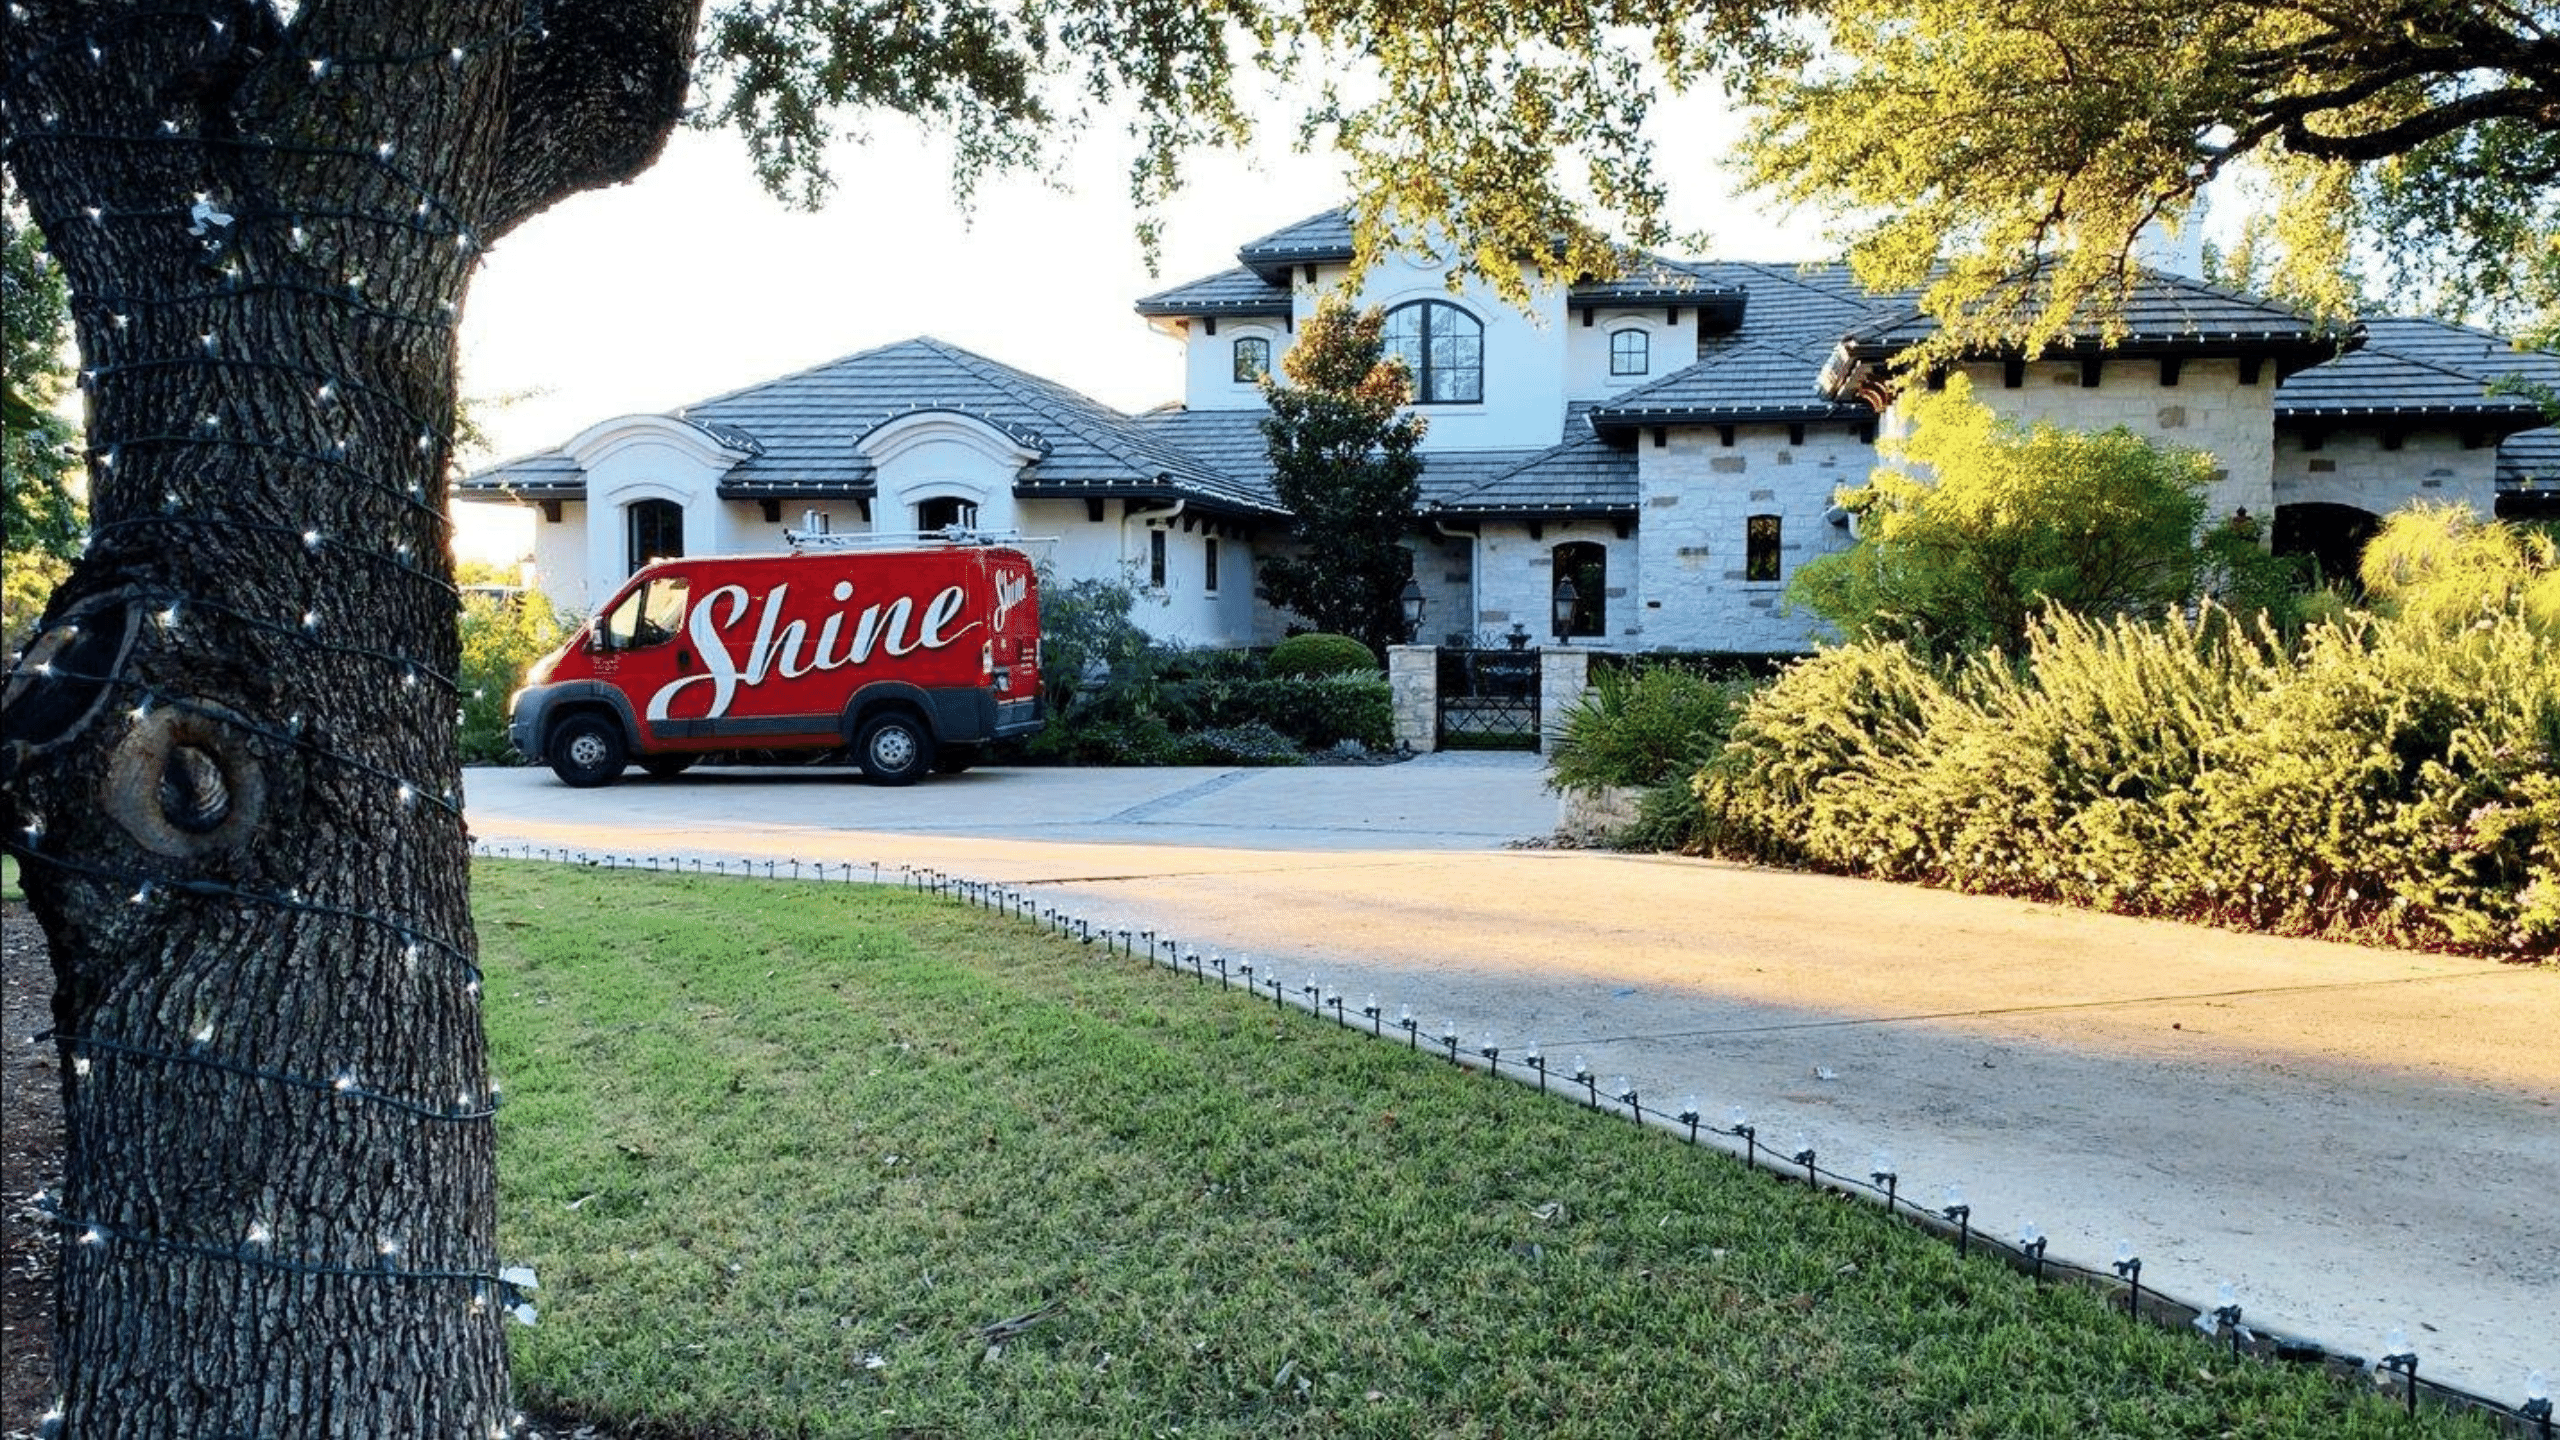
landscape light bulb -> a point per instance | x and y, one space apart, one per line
2396 1342
1369 1006
1404 1016
2124 1252
1955 1195
1689 1108
1449 1031
1881 1162
2029 1233
1622 1087
1736 1117
1804 1142
2226 1295
2537 1386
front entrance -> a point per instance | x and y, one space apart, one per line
1489 699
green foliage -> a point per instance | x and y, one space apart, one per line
499 639
2005 158
1343 461
1641 727
1318 712
782 1154
41 518
2393 778
2013 520
1317 653
1251 743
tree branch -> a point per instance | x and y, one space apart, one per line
596 93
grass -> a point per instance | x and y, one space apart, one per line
781 1153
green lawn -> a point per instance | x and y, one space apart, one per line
781 1153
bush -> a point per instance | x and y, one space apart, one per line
2395 778
1317 654
1253 743
500 638
1642 727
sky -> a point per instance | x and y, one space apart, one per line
691 281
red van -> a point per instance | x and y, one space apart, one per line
913 655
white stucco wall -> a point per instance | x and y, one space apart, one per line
1515 581
1668 347
2208 409
2352 467
1523 402
1697 497
560 557
1208 361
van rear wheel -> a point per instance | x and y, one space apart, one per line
587 751
893 749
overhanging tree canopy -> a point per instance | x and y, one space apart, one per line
2006 154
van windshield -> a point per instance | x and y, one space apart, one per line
650 615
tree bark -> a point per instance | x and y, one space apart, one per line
230 753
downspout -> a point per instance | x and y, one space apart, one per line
1167 513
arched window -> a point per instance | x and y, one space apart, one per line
1587 565
1630 352
1443 350
655 531
1252 358
945 512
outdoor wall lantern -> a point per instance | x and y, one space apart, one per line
1412 602
1567 600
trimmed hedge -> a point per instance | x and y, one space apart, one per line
1317 713
1318 654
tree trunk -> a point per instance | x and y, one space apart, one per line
230 756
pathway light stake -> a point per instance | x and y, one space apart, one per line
2031 1243
1625 1090
2399 1355
1590 1087
1369 1007
1689 1117
1335 1000
1538 1062
2224 1317
1880 1170
1314 991
2537 1402
1222 970
2129 1265
1737 1123
1274 982
1962 1214
1412 1033
1804 1157
1492 1054
1192 959
1449 1039
1244 968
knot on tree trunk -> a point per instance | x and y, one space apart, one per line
183 784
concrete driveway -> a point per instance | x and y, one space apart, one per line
2355 1138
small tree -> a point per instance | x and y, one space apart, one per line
2013 520
1343 461
40 517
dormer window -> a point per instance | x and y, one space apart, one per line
1443 350
945 512
1252 359
1630 352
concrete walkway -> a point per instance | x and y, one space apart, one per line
2355 1138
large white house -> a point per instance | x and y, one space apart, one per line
1671 441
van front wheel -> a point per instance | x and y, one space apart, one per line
893 749
587 751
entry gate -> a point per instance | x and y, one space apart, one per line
1488 699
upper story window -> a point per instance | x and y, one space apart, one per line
1630 352
654 530
1443 350
945 512
1252 359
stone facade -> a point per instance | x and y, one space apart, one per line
1413 673
1699 496
2209 405
2364 469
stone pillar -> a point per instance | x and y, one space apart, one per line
1564 672
1413 673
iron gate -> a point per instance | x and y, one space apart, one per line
1488 699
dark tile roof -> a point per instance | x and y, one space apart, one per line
1749 380
2530 461
1232 441
2474 352
807 424
1656 279
2163 310
1584 475
1801 308
1229 292
1228 441
1318 239
2377 382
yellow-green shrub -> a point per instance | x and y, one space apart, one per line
2395 777
500 637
